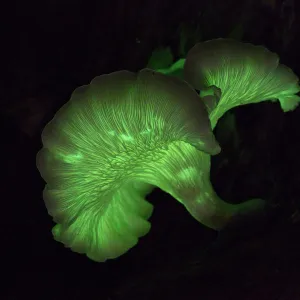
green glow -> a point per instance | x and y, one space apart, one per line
125 133
244 73
175 69
160 58
162 61
228 74
105 149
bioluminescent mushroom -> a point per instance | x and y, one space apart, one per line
243 72
229 73
111 144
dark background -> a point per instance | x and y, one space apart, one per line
51 47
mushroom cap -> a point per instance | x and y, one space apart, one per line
107 147
245 73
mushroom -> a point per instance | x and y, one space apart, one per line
109 146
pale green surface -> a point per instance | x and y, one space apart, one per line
109 146
244 74
176 69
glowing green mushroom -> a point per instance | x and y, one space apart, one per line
229 73
106 148
244 73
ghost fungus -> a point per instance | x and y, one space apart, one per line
229 73
244 73
107 147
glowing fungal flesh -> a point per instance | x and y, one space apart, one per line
244 73
106 148
229 73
